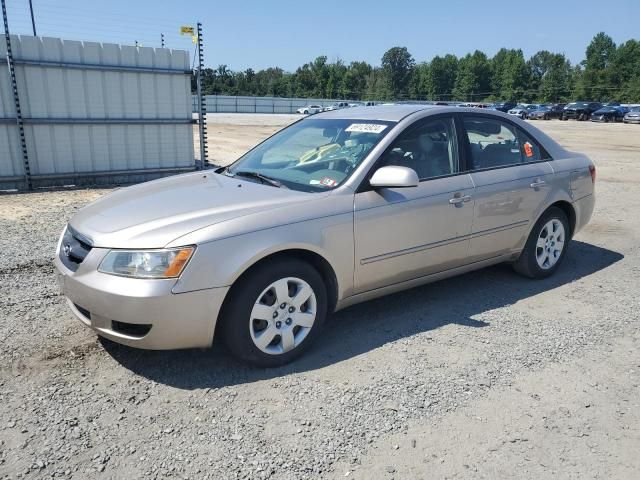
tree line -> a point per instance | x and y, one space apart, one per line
609 72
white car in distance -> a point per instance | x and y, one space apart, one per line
310 109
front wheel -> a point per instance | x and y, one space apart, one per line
275 312
546 245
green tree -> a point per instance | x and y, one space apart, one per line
397 66
473 79
442 77
419 87
607 73
555 84
509 75
596 77
625 72
355 80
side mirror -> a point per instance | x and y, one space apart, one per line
394 176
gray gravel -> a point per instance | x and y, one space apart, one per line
73 406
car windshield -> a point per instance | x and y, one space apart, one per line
635 109
312 155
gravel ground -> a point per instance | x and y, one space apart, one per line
488 375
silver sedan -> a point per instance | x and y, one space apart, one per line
333 210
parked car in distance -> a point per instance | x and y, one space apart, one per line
541 113
335 209
522 111
336 106
310 109
580 110
503 106
609 114
632 116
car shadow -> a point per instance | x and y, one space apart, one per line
367 326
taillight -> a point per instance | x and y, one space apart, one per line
592 171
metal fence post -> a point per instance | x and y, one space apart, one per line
16 99
201 103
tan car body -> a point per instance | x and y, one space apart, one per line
365 242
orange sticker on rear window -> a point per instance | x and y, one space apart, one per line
528 151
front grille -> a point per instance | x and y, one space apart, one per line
74 248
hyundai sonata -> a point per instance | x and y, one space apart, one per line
335 209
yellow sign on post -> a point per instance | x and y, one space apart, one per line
186 30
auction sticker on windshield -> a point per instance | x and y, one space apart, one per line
365 127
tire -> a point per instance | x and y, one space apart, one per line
528 263
306 112
546 117
255 297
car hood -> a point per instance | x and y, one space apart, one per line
152 214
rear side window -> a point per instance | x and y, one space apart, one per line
530 150
492 143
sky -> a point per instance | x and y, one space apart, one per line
286 33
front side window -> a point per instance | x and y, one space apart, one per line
429 148
313 154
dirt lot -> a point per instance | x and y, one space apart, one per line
487 375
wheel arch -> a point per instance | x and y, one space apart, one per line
316 260
568 210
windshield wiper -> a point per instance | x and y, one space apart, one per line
263 178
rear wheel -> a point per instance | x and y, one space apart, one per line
275 312
546 245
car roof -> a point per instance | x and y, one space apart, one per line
392 113
395 113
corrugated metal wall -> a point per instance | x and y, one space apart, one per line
92 108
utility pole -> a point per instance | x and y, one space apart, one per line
202 106
16 99
33 22
162 40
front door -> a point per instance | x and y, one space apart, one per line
406 233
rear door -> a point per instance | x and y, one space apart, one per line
512 182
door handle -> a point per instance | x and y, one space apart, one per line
457 200
538 184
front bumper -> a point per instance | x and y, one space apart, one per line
137 312
632 120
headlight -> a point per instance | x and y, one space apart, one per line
147 263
